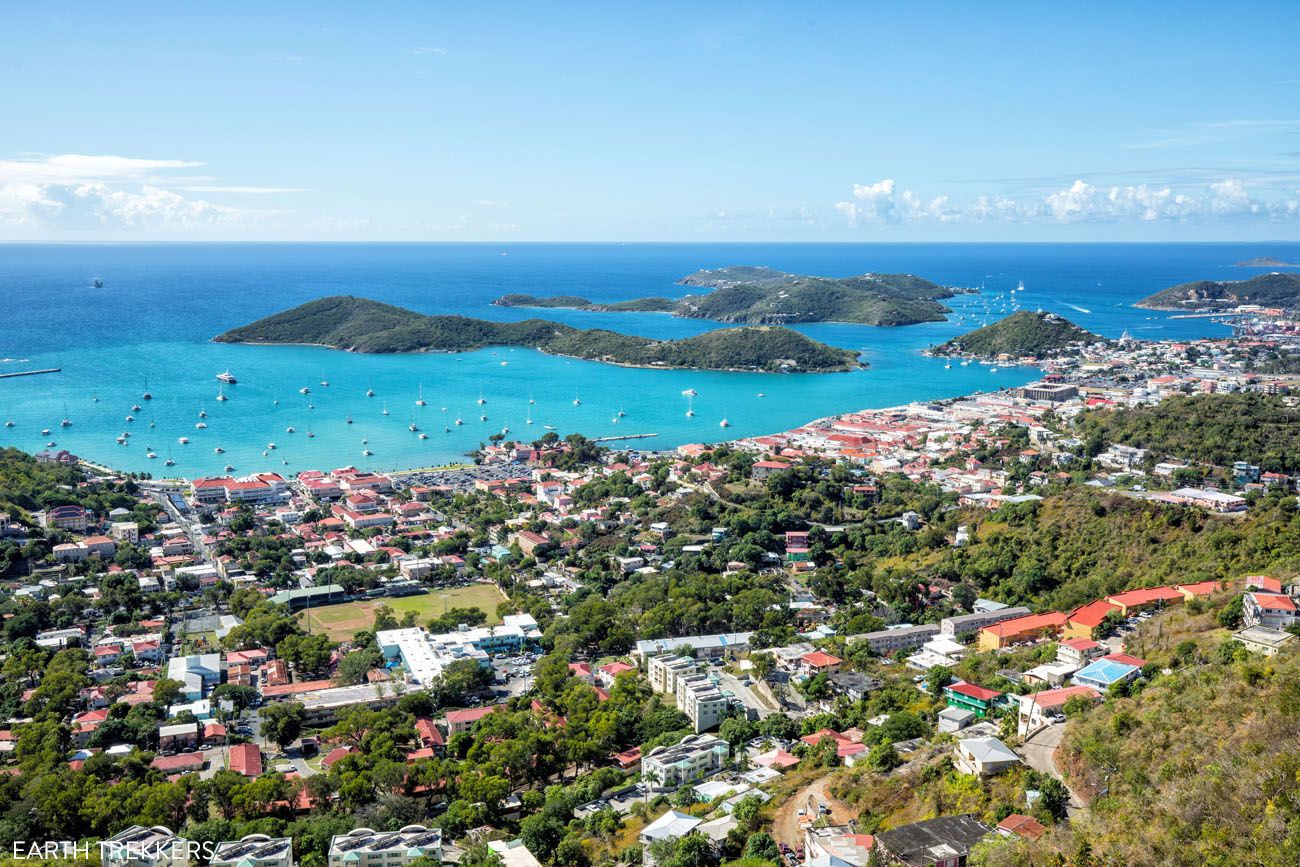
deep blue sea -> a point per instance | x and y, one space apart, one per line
152 320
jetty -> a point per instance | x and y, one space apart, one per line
625 437
30 372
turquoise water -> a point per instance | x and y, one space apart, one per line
153 319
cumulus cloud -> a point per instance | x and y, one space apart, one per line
885 202
106 192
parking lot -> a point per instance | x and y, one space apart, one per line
462 479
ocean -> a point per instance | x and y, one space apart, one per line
150 326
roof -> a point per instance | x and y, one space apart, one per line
1021 825
670 826
1058 697
471 715
179 762
1264 582
1029 623
988 750
979 693
818 659
1200 588
1126 659
912 842
1273 601
1080 644
1092 614
246 759
1105 671
1145 596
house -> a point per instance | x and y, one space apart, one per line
672 825
942 842
181 763
178 736
198 672
365 847
608 673
848 745
818 662
1084 620
1047 707
1264 641
954 719
839 846
513 853
984 756
967 696
1021 826
1108 671
254 850
1131 602
1078 651
1270 610
459 721
138 846
246 759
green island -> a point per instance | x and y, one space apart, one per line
1022 334
1266 262
1273 290
361 325
759 295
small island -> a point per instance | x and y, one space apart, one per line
764 296
361 325
1024 334
1270 290
1266 262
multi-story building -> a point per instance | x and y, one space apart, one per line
1270 610
425 655
886 641
965 624
254 850
199 673
1031 627
663 672
702 646
364 847
696 757
139 846
701 701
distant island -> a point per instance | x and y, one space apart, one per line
1266 262
765 296
361 325
1270 290
1020 335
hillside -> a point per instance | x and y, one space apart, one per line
769 297
1274 290
361 325
1023 333
1214 429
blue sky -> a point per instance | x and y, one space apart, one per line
666 121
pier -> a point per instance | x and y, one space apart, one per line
30 372
626 437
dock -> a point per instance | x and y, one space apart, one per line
626 437
30 372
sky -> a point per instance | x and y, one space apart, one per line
714 121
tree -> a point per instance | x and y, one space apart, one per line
746 811
937 678
166 691
1055 797
883 758
282 722
763 664
761 845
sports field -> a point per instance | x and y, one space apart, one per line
340 621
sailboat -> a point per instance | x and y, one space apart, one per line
577 401
310 435
621 413
459 420
413 427
530 398
481 399
219 450
420 400
324 383
724 423
169 462
690 408
221 393
528 416
385 409
67 422
370 392
9 422
146 395
203 413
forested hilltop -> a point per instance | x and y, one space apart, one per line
766 296
1024 333
1277 290
1215 429
361 325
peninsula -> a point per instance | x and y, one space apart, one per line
766 296
1272 290
1021 335
361 325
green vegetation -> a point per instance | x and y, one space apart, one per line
360 325
765 296
1273 290
1217 429
1023 333
340 621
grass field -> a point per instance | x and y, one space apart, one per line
340 621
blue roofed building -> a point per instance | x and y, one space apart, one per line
1104 672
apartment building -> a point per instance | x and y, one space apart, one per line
696 757
139 846
254 850
365 847
887 641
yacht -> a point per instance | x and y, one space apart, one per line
724 423
290 429
270 446
221 393
310 435
51 444
169 462
219 450
9 423
483 417
549 426
67 422
365 440
530 398
690 408
366 453
370 392
420 401
228 378
230 468
203 413
135 407
200 425
151 456
947 365
459 420
146 395
423 435
304 390
45 432
505 364
324 383
614 420
621 414
690 392
97 283
94 399
481 399
385 409
183 440
762 394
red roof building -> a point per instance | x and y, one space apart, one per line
246 759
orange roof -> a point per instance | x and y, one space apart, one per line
1028 623
1145 595
818 659
1200 588
1023 826
1058 697
1264 582
1092 614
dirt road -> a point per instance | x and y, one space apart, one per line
786 825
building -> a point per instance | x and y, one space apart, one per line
1049 391
672 825
1215 501
663 671
246 759
459 721
73 518
179 736
1084 620
886 641
305 597
1264 641
1032 627
976 699
514 853
139 846
1270 610
984 756
701 701
1021 826
320 707
1106 672
954 719
199 672
942 842
837 846
254 850
1131 602
696 757
965 624
1078 651
125 531
426 654
364 847
702 646
1048 707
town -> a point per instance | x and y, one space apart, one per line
877 638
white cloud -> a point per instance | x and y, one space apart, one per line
428 49
250 190
885 202
43 195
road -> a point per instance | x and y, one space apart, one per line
786 825
746 695
1039 752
